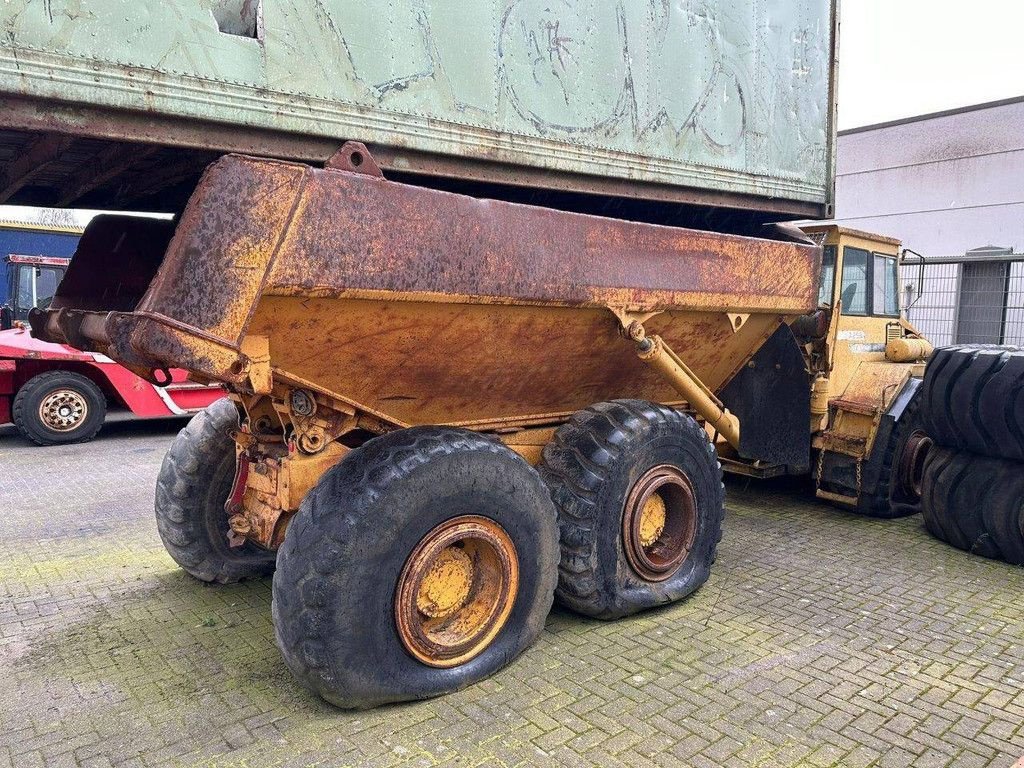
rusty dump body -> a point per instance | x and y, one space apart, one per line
385 305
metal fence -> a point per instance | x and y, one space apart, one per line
977 299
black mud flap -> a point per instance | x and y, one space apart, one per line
771 396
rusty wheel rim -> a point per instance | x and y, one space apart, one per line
911 466
659 522
63 410
456 591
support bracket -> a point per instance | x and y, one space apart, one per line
655 352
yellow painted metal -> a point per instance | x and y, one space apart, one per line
865 362
856 413
652 519
522 366
446 585
654 351
908 350
836 498
274 489
855 417
529 443
456 591
853 340
257 349
819 402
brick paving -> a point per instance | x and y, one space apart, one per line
822 639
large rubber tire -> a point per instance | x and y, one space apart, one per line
345 551
974 400
26 410
975 503
892 498
193 485
591 467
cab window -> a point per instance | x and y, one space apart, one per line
854 293
36 288
828 275
886 282
47 279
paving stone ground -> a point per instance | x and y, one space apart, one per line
821 639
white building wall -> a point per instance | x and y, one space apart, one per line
943 184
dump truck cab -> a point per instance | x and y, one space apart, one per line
859 283
864 364
866 370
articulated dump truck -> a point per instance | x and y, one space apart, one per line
491 288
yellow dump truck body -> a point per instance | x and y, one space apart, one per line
424 307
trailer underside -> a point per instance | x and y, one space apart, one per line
59 155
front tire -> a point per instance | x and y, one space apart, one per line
640 501
59 407
421 563
194 483
898 489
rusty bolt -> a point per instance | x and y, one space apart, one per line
239 524
302 403
636 331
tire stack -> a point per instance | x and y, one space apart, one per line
973 483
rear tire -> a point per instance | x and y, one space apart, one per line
898 489
974 400
598 468
194 483
975 503
59 407
342 619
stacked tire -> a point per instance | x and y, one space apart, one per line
973 484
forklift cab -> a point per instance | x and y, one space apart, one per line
31 283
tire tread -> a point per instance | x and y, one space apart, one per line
975 503
608 426
974 399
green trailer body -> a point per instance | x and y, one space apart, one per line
712 103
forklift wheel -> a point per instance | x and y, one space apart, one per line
423 562
640 501
59 407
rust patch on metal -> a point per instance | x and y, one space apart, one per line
354 157
456 591
422 306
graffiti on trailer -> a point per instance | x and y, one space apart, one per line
685 85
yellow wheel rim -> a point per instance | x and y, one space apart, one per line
456 591
659 522
652 519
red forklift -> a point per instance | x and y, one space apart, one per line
54 393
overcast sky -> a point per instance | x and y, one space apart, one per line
899 58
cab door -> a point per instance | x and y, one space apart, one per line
33 286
